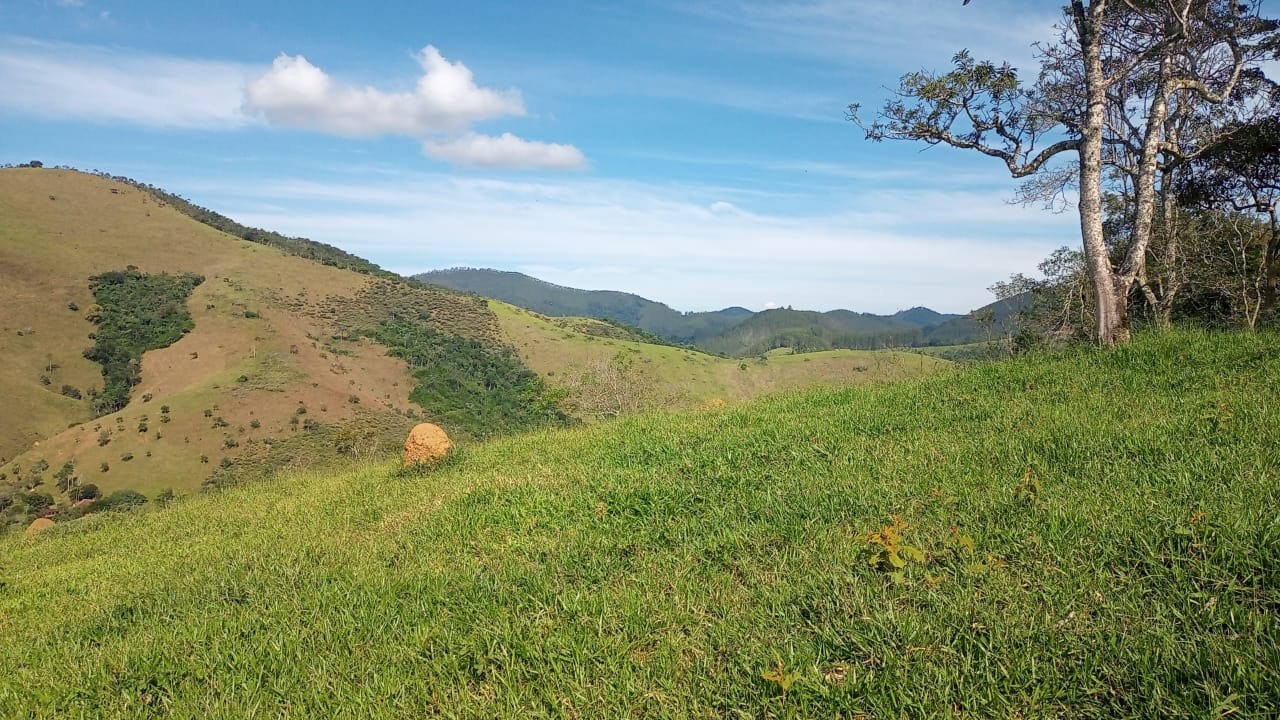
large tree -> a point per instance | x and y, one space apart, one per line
1103 101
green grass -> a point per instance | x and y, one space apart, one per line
1121 508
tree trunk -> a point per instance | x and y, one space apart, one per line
1110 290
1269 267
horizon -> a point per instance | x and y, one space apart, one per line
662 302
699 155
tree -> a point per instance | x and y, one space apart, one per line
1241 172
1107 83
86 492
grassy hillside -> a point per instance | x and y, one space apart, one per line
559 301
1084 536
562 350
277 347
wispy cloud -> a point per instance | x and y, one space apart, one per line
886 33
86 82
692 246
65 81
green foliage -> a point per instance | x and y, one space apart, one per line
121 501
65 478
88 491
135 313
467 386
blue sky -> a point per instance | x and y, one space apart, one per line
696 153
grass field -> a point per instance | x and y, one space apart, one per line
679 377
1092 535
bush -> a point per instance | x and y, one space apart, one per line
123 500
85 492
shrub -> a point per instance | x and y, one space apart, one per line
123 500
85 492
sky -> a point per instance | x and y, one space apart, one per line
696 153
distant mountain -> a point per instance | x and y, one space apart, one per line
986 323
547 298
809 331
923 317
734 331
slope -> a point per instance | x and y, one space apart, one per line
614 373
556 300
1084 536
277 362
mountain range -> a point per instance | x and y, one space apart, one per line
733 331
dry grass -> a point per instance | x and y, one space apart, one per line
59 227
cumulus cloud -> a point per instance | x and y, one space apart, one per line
295 93
506 150
442 107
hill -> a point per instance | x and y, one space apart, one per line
989 322
1087 535
262 355
809 331
556 300
605 375
734 331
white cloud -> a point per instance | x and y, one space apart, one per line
442 107
295 93
903 35
84 82
882 253
507 151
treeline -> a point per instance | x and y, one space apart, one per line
135 312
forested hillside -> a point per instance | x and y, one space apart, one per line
690 328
